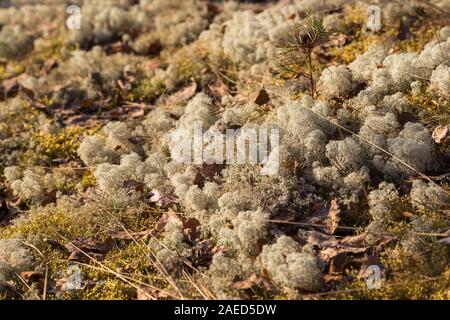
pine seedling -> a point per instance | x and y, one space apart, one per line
294 51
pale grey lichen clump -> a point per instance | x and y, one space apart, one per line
427 196
14 41
234 205
15 257
398 71
291 266
440 79
23 26
172 23
335 81
414 146
350 143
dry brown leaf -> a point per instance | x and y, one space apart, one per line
338 258
262 98
161 199
31 276
320 239
439 133
147 293
354 241
333 217
183 95
169 216
191 229
80 249
252 281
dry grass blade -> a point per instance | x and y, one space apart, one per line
109 270
157 264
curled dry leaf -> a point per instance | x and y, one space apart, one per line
251 282
83 250
147 293
183 95
262 97
339 258
333 217
440 133
161 199
369 260
202 253
169 216
31 276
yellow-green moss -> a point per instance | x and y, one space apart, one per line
132 261
405 279
63 144
88 180
147 90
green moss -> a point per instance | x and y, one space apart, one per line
190 63
421 274
88 180
50 223
431 109
109 289
147 90
131 261
353 24
406 278
63 144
